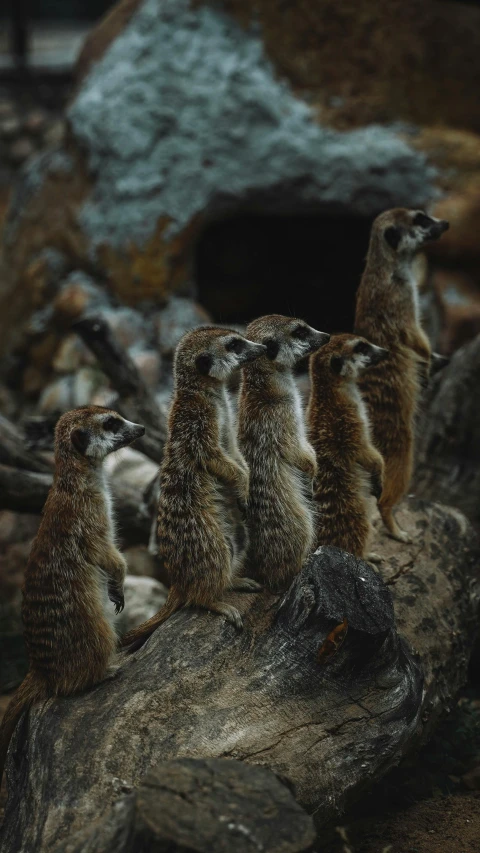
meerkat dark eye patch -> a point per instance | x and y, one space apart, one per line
362 348
422 220
336 363
112 424
272 348
203 363
300 332
80 440
235 345
393 236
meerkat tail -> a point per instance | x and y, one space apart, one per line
28 693
138 636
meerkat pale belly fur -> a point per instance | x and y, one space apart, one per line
273 440
349 468
387 314
203 475
74 568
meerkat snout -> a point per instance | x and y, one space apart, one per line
103 434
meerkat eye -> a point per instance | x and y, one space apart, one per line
300 332
112 424
422 220
361 347
235 345
393 236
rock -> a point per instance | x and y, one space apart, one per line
149 365
129 326
140 561
458 297
471 780
201 689
191 806
179 316
448 436
35 122
71 354
69 392
21 150
143 598
9 127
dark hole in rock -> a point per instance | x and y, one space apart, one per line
306 266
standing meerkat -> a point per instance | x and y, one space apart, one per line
73 568
202 475
273 440
349 468
388 314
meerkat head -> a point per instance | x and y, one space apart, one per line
347 356
287 340
403 231
214 354
93 432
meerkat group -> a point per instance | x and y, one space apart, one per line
243 499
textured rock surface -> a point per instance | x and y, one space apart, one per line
200 689
448 462
195 806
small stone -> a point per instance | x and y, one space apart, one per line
21 150
148 363
71 354
178 317
7 109
54 133
9 127
35 122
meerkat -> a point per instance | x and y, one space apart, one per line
73 568
273 440
203 472
349 468
388 314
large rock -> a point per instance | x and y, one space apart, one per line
195 806
331 722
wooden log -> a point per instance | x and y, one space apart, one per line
136 402
332 722
14 451
448 442
26 491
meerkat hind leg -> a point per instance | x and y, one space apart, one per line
371 557
245 585
393 529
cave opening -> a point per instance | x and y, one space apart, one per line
305 266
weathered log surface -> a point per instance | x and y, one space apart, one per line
13 450
448 444
200 689
197 806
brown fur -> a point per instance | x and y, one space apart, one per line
69 638
282 462
387 314
349 468
202 473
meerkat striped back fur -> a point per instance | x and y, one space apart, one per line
349 468
203 475
273 440
73 568
388 314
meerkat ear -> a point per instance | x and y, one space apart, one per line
79 439
393 236
203 363
272 348
336 363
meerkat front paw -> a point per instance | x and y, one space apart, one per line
116 596
308 464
